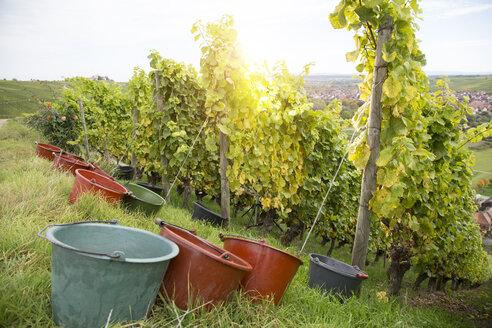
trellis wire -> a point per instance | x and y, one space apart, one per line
336 173
187 155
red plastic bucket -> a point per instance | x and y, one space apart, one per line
273 269
46 151
65 163
97 169
73 156
202 270
88 181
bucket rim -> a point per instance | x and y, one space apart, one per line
174 248
240 264
208 210
161 199
49 146
264 245
331 268
80 172
71 160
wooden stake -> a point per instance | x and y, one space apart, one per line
164 162
82 118
134 124
361 241
225 194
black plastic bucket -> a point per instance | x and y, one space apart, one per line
203 213
334 276
125 172
158 190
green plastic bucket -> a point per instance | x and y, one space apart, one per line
142 199
105 272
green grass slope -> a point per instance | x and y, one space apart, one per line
34 195
18 97
483 162
467 83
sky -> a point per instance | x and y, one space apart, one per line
54 39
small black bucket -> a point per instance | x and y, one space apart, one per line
203 213
125 172
158 190
334 276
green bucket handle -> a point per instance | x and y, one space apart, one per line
117 255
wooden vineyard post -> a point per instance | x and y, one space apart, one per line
164 161
82 119
134 124
225 194
369 177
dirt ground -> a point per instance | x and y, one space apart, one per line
474 304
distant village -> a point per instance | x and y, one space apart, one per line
480 101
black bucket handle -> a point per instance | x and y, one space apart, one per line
162 223
223 235
116 255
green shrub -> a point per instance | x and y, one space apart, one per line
59 123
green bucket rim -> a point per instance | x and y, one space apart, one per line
130 185
50 234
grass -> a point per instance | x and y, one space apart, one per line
483 162
34 195
19 97
467 83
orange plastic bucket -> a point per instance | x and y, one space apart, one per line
46 151
273 269
66 163
88 181
202 270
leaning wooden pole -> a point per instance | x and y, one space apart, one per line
134 125
225 193
369 177
82 119
164 162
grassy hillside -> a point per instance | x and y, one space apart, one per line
18 97
483 162
467 83
25 262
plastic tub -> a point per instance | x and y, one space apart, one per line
97 169
73 156
125 172
65 163
334 276
201 271
88 181
142 199
46 151
103 272
273 269
158 190
203 213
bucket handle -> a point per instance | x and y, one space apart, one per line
360 274
129 194
94 169
116 255
223 235
162 223
225 255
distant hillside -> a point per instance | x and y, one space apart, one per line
467 83
457 82
18 97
